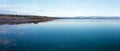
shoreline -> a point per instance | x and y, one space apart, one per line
20 19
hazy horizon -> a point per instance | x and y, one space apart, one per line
59 8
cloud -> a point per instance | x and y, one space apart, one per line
22 8
6 12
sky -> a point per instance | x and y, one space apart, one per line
59 8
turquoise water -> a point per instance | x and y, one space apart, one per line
62 35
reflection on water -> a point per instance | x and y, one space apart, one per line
62 35
13 22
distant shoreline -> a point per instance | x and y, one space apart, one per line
20 19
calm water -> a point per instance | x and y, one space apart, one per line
62 35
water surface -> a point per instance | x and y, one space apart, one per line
62 35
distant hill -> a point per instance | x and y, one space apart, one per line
99 17
91 17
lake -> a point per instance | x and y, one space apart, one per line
62 35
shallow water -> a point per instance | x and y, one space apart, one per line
62 35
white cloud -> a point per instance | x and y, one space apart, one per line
22 8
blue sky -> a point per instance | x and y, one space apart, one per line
61 7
